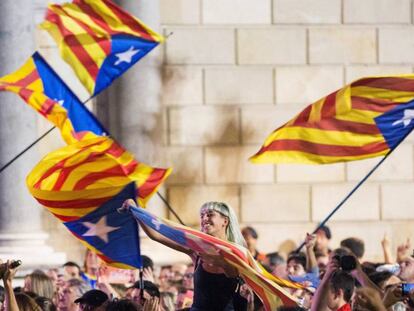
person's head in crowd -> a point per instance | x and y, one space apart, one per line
122 305
188 279
219 220
276 263
184 299
341 288
178 270
45 304
383 279
74 288
147 262
91 263
92 300
26 303
323 236
407 269
250 236
296 264
39 283
355 245
322 260
150 290
167 301
164 278
71 270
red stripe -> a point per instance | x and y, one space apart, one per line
153 180
104 43
66 218
372 104
80 203
389 83
129 21
27 80
328 109
115 150
111 172
324 150
93 15
303 115
74 44
342 126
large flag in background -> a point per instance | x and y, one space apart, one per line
113 236
98 39
265 285
37 84
365 119
75 180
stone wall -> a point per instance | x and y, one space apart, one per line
237 69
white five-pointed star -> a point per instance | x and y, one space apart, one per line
100 229
406 119
126 56
60 102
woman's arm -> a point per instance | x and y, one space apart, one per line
311 263
10 299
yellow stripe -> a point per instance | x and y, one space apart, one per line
322 136
360 116
76 212
343 104
20 73
315 114
307 158
44 194
378 93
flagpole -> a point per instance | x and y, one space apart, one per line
323 222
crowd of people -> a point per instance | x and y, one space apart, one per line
332 278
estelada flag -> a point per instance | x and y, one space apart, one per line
267 287
98 39
364 119
42 89
73 181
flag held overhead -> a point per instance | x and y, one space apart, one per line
365 119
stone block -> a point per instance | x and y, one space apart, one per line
398 166
396 45
310 173
182 85
200 46
362 205
306 84
259 121
307 12
187 200
397 201
187 164
353 73
233 85
272 46
275 203
377 11
236 12
224 165
180 12
333 45
201 125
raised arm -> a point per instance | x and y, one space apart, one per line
10 299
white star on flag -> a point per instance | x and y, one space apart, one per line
60 102
406 119
126 56
100 229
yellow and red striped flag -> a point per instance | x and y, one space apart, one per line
98 39
365 119
267 287
75 180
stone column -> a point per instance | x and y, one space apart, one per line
20 221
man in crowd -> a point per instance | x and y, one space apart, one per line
250 236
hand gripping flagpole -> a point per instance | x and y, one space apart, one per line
323 222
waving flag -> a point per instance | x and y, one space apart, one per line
112 235
365 119
98 39
37 84
75 180
265 285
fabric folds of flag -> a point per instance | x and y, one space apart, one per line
266 286
113 236
42 89
73 181
98 39
365 119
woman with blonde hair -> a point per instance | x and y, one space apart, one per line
39 283
215 281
